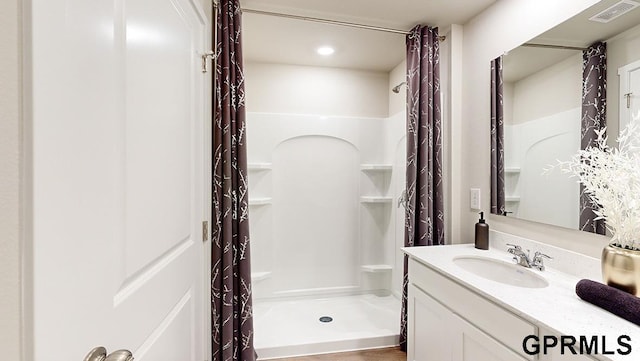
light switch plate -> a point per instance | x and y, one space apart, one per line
474 198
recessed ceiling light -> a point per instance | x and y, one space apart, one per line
325 50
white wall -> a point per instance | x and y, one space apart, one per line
502 27
10 165
552 90
296 89
398 102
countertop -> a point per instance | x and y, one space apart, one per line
555 307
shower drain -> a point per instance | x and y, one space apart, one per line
326 319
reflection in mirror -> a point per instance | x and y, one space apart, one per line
541 113
497 138
545 115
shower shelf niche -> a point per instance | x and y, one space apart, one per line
376 268
376 167
375 199
259 201
259 166
376 183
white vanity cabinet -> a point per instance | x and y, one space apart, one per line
485 313
446 321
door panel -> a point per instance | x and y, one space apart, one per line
158 131
119 134
476 345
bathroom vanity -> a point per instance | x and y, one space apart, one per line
469 304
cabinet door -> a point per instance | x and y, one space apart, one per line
475 345
555 353
430 335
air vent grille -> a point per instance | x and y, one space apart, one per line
615 11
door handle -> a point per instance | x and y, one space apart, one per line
100 354
628 96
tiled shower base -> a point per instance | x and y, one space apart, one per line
287 328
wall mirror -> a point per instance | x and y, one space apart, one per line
541 103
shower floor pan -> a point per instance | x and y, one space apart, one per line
286 328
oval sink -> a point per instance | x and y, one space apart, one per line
500 271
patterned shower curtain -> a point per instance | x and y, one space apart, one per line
231 299
497 139
424 214
594 118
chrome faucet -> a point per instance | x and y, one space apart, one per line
523 259
519 256
537 261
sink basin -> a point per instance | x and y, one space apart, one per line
500 271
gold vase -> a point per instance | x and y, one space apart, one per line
621 269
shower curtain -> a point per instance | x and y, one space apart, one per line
424 214
497 139
594 118
231 299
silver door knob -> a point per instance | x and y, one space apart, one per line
100 354
97 354
120 355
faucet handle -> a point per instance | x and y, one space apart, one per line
539 255
537 260
514 246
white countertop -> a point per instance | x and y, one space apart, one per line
555 307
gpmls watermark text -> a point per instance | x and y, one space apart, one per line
583 345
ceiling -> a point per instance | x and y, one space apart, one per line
578 31
290 41
582 32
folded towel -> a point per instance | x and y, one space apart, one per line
618 302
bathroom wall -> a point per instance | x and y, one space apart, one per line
501 27
533 98
398 101
296 89
11 162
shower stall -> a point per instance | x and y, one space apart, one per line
326 228
326 152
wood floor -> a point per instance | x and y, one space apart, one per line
383 354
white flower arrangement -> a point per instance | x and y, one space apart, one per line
611 179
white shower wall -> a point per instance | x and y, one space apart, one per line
532 147
323 214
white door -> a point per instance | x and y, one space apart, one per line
629 92
120 189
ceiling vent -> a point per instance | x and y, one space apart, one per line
615 11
